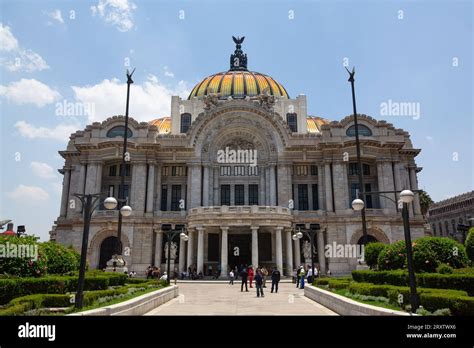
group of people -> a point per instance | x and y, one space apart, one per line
248 275
192 274
302 273
153 272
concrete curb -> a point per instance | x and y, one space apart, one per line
135 306
345 306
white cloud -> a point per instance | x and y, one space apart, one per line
42 170
29 91
56 15
26 194
117 12
7 41
147 101
167 72
16 58
60 132
56 188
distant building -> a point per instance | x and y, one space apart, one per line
444 216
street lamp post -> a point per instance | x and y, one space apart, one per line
359 162
310 234
89 204
406 197
125 210
170 235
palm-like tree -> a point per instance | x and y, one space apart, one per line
425 202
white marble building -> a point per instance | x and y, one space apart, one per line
305 173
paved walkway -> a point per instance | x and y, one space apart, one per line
224 299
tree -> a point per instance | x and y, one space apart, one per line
425 202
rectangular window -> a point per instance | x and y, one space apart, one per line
112 191
302 197
125 192
314 170
239 195
166 171
127 169
175 197
253 194
314 189
292 121
355 194
113 170
354 169
213 247
226 171
300 170
225 194
164 198
239 170
253 170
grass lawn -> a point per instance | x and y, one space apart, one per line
346 293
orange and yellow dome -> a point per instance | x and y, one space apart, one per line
238 84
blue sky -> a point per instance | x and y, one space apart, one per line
76 51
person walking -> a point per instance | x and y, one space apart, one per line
231 276
298 277
275 279
264 275
302 275
244 276
259 283
251 275
309 275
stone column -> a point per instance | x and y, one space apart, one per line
200 250
92 177
254 246
224 251
328 189
205 186
341 194
321 258
284 185
190 260
414 186
279 249
216 186
289 253
150 188
82 179
267 185
182 255
381 185
65 192
389 186
398 181
321 188
157 197
195 186
158 248
272 186
137 194
261 188
297 253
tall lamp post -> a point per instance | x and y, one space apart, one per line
359 162
170 236
89 204
406 197
126 210
310 234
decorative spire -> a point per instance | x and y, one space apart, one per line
238 60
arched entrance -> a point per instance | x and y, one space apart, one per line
108 247
370 239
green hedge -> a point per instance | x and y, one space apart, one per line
16 287
333 283
20 305
469 244
372 252
461 281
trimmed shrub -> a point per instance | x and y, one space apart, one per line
371 253
444 269
441 249
393 256
458 305
20 305
461 281
22 266
60 259
469 244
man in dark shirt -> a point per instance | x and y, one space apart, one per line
243 275
275 279
259 283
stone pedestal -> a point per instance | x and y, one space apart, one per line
116 264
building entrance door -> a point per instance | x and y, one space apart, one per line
239 250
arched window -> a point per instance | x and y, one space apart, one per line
118 132
440 229
446 227
185 122
292 121
363 130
